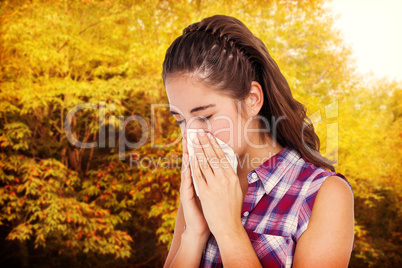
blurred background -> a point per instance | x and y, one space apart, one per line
62 205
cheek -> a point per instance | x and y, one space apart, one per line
226 129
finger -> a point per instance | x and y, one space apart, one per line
205 148
185 164
218 150
186 175
204 166
197 175
184 142
213 152
185 158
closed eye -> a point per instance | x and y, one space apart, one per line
202 118
179 122
205 118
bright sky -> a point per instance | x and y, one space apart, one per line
374 29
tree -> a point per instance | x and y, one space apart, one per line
113 204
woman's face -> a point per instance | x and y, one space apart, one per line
195 106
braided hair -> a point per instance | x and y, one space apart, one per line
224 54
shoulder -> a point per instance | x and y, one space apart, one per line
335 186
330 232
334 200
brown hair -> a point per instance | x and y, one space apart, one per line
224 54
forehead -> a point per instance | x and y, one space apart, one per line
185 92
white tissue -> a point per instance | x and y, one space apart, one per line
230 155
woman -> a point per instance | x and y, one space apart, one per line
221 80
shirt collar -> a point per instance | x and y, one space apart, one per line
272 170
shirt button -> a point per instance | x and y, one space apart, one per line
245 214
254 175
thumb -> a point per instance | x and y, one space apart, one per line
185 171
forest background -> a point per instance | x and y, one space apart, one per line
62 205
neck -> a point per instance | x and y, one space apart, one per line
256 154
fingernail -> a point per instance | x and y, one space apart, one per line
201 132
209 136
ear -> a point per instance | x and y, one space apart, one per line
255 99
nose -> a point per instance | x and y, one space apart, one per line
185 130
195 123
196 128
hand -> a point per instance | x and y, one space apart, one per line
220 192
193 216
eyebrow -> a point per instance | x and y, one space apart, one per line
200 108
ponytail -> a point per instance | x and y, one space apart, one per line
223 52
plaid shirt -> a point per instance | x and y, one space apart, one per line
276 208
